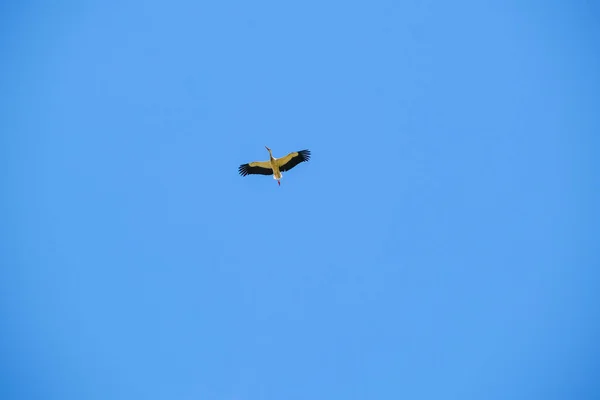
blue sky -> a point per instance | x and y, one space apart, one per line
440 244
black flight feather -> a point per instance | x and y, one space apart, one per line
302 156
246 169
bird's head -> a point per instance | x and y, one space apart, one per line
268 149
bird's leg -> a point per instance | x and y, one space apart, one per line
278 183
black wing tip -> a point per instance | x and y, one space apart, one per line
305 154
243 169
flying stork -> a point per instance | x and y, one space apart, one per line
275 166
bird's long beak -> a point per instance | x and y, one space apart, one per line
267 148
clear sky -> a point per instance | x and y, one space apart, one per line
442 243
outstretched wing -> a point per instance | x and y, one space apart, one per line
291 160
256 168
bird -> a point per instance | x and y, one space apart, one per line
275 166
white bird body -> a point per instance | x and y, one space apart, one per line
275 166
